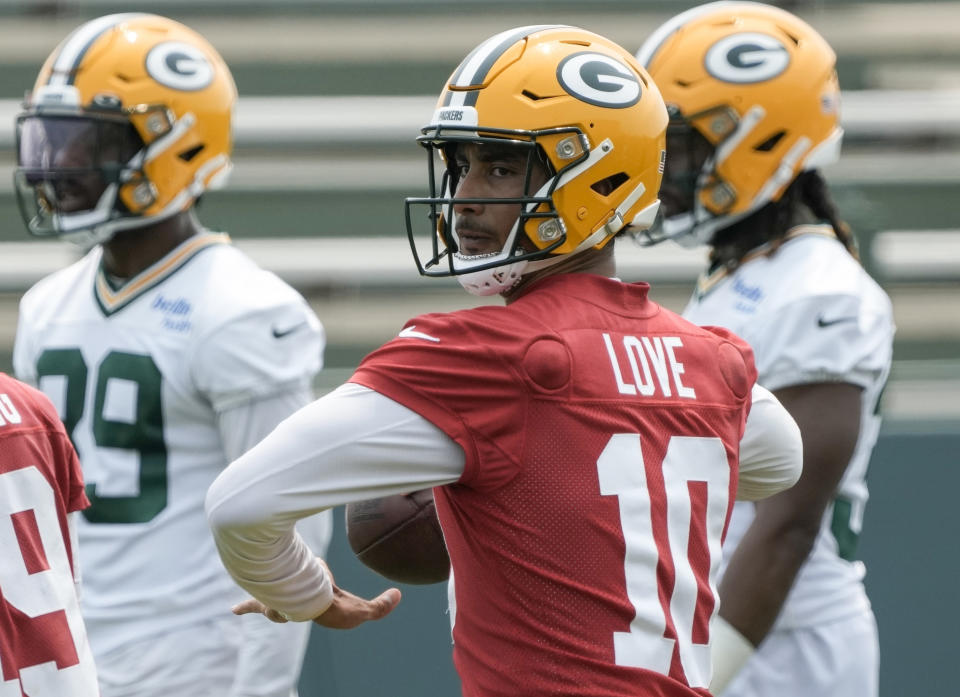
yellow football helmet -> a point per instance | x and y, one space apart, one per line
128 123
760 86
585 109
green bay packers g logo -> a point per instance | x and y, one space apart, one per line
180 66
598 79
746 58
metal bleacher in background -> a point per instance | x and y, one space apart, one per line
333 93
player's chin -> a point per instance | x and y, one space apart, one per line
477 247
73 203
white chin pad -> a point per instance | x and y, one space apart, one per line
492 281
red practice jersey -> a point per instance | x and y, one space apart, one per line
601 434
43 644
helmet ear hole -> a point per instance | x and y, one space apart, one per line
191 153
770 143
608 185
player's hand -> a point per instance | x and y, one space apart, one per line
252 605
349 610
346 612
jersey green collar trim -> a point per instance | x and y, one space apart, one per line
112 299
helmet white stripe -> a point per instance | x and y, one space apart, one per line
76 45
474 68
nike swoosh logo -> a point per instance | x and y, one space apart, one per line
411 333
821 322
280 333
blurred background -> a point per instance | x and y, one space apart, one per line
332 95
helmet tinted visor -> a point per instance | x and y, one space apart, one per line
66 163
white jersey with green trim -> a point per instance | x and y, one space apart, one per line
139 375
811 314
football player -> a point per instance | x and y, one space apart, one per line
754 103
44 650
582 440
167 352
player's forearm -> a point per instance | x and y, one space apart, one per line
768 558
759 577
273 565
351 445
252 521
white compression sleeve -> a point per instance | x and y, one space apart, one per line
351 445
729 651
771 452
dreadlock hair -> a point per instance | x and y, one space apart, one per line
769 225
814 193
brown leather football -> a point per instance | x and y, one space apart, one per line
399 537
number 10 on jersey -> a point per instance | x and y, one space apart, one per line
672 519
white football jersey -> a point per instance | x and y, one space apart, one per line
138 375
811 314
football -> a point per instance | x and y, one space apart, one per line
399 537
